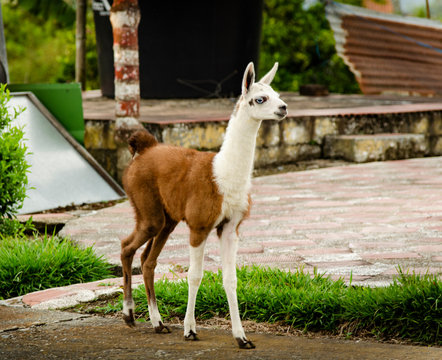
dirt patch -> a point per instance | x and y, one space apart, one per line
346 332
108 338
84 207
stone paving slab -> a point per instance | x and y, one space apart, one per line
357 221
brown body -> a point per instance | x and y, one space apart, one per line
167 181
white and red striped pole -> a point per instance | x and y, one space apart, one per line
125 17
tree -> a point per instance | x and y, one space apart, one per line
51 41
300 39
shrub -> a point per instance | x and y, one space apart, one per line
301 40
13 165
28 265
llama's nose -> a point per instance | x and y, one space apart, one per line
283 109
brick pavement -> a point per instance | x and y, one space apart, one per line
358 221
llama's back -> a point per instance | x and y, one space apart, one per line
181 178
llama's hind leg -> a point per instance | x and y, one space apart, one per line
129 246
149 262
194 277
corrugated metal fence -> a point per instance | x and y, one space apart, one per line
388 53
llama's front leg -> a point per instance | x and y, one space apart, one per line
194 279
229 247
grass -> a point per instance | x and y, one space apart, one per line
408 309
44 262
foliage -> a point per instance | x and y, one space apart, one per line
302 42
300 39
408 309
13 227
28 265
13 166
42 49
435 11
61 11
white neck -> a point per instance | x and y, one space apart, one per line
233 165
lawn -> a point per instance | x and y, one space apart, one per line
408 309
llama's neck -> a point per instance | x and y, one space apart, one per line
233 165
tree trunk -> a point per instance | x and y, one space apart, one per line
428 10
125 17
80 44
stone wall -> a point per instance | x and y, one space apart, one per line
293 139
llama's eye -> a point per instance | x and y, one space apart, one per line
260 100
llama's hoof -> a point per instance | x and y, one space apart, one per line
159 329
129 319
191 336
245 344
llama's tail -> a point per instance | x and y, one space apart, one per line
140 140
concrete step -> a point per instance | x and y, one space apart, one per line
377 147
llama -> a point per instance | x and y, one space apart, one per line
168 184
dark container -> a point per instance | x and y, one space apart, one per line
187 49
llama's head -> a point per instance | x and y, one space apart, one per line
261 101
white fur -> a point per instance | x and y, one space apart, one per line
232 168
229 247
154 314
127 306
194 277
233 165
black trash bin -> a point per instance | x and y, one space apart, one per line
188 49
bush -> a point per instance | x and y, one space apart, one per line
302 42
28 265
13 166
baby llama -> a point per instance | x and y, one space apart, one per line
168 184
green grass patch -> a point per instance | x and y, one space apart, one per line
44 262
408 309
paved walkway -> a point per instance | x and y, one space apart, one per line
357 221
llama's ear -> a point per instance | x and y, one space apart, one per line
248 79
268 78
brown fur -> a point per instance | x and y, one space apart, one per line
180 183
141 140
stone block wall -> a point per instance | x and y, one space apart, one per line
293 139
